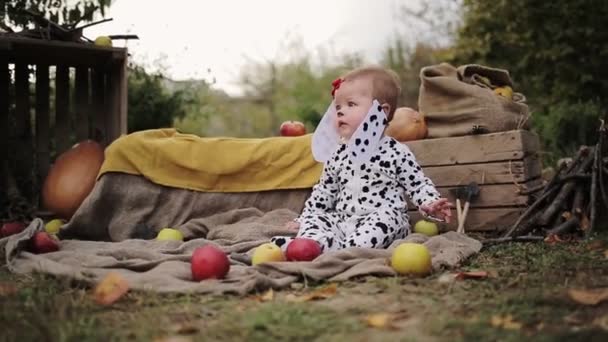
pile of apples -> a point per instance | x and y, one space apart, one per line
42 241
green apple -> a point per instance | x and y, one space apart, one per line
166 234
267 252
53 226
411 258
427 228
104 41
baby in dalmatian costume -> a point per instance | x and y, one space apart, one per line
360 199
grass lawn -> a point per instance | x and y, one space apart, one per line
525 297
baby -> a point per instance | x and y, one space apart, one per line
360 199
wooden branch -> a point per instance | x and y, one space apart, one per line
578 176
123 36
593 197
530 210
92 24
578 201
564 192
598 161
532 190
565 226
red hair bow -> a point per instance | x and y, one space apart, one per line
335 85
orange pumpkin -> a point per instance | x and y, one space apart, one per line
71 178
407 125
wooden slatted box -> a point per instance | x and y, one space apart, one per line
52 95
501 163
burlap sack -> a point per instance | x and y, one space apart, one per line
461 101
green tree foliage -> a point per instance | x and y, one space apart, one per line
557 53
407 62
150 104
59 11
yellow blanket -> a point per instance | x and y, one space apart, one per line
170 158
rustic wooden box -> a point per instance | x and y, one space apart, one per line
502 164
53 94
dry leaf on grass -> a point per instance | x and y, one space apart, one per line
110 289
322 293
7 289
265 297
606 254
589 297
472 275
505 322
601 322
596 245
552 239
383 320
173 339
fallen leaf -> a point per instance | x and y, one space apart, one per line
505 322
472 275
601 322
589 297
7 289
585 222
110 289
552 239
173 339
322 293
379 320
606 254
265 297
596 245
185 328
446 278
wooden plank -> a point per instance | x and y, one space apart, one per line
82 103
98 105
23 149
116 86
42 122
511 145
480 220
27 50
492 195
4 122
503 172
62 114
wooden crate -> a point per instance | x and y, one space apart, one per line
501 163
52 95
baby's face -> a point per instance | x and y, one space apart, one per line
352 100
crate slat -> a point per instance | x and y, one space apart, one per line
4 115
43 158
471 149
503 172
98 85
62 108
82 103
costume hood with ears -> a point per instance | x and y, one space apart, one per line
362 144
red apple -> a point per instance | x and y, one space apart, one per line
302 249
292 129
43 242
10 228
209 262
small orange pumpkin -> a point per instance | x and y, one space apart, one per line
71 178
407 125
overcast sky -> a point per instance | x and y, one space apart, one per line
191 37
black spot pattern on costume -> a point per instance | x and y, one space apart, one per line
374 201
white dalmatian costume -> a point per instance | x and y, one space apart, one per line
360 199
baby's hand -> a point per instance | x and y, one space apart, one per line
439 209
293 226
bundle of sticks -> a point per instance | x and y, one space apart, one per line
570 202
50 30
